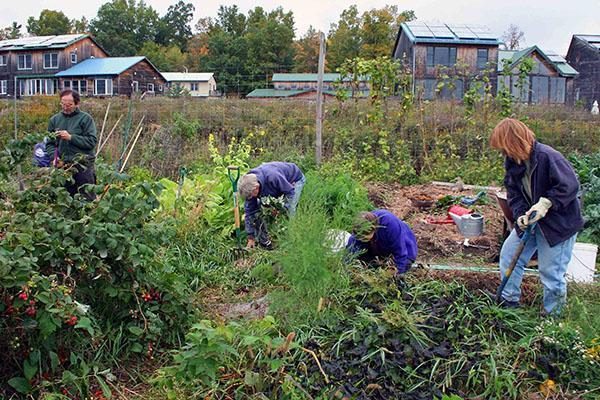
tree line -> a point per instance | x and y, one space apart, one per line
243 49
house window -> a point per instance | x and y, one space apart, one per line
3 60
151 87
194 87
523 95
136 86
557 90
3 86
427 86
50 60
32 87
24 61
160 88
67 85
437 55
482 58
82 86
103 87
539 89
74 58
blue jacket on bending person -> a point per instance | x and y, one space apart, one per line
272 179
381 233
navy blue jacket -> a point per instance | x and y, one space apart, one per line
276 179
392 237
552 177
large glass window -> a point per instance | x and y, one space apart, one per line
50 60
482 58
557 89
3 60
24 61
539 89
103 87
437 55
3 87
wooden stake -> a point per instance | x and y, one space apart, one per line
319 144
133 137
104 123
108 136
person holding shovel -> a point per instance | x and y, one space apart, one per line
74 142
542 189
272 179
380 233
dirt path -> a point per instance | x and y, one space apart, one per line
442 243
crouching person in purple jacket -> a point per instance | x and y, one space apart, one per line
272 179
538 178
380 233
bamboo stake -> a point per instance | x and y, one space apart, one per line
131 149
104 123
133 137
108 136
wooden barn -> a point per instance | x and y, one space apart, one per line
584 56
113 76
462 52
32 62
549 82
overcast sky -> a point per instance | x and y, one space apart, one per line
548 23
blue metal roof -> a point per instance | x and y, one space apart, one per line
101 66
423 32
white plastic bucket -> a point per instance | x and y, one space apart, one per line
337 239
582 266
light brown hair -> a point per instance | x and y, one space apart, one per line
513 138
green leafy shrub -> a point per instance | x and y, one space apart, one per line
72 271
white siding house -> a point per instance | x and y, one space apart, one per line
199 84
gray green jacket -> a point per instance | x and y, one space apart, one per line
83 136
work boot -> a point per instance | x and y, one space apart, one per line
267 245
508 304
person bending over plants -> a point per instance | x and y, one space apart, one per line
380 233
272 179
74 142
538 178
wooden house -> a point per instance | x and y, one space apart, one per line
432 51
549 82
304 86
198 84
584 56
32 62
113 76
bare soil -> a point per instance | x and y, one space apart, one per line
442 243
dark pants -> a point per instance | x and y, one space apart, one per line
83 175
261 231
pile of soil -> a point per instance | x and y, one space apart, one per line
442 242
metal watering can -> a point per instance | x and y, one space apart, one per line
469 225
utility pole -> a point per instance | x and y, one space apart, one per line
319 141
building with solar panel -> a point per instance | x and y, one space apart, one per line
32 62
433 50
584 56
550 80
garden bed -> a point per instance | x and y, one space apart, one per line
441 242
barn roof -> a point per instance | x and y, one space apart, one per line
427 32
102 66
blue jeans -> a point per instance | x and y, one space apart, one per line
292 202
552 265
